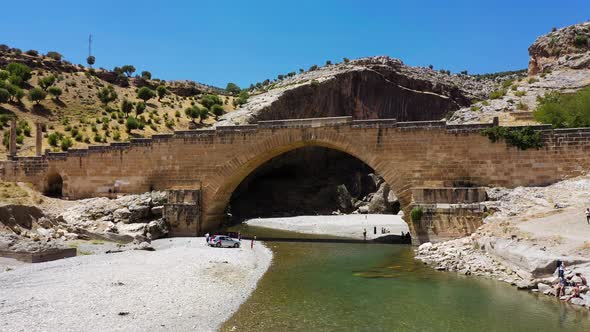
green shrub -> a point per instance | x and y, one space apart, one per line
107 94
66 143
532 80
497 94
55 92
232 88
117 136
416 214
46 82
53 138
161 91
146 75
475 108
19 73
144 93
506 84
564 110
4 96
210 100
140 108
520 93
132 123
522 138
36 95
581 41
217 110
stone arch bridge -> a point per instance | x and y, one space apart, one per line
433 164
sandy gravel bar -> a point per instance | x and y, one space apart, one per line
350 226
183 285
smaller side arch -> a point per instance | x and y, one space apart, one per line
54 184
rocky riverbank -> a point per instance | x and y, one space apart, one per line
526 232
182 285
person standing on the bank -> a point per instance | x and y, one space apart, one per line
365 234
252 243
207 238
588 215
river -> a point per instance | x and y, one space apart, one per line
377 287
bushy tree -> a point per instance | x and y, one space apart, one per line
55 92
128 70
4 75
232 88
66 143
107 94
146 75
54 55
314 67
126 107
565 110
145 93
242 98
91 60
133 123
194 112
46 82
32 52
53 138
210 100
36 95
162 91
328 63
4 95
140 107
19 73
217 110
345 60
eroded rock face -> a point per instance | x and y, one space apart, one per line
368 88
567 47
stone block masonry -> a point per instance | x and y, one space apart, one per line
408 155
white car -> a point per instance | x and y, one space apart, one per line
223 241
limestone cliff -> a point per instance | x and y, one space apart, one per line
367 88
567 47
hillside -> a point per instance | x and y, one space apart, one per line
79 114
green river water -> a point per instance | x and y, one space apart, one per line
377 287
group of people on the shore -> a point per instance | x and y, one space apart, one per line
576 281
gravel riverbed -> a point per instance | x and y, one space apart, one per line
183 285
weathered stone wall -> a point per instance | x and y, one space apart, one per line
406 154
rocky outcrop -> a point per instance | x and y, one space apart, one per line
367 88
567 47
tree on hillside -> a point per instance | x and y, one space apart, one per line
4 75
55 92
46 82
313 67
126 107
4 95
328 62
280 77
146 75
128 70
145 93
107 94
346 60
19 73
90 60
194 112
232 88
140 107
54 55
301 70
242 98
162 92
210 100
217 110
16 93
36 95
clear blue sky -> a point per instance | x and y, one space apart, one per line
216 42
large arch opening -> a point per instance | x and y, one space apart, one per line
54 185
314 181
